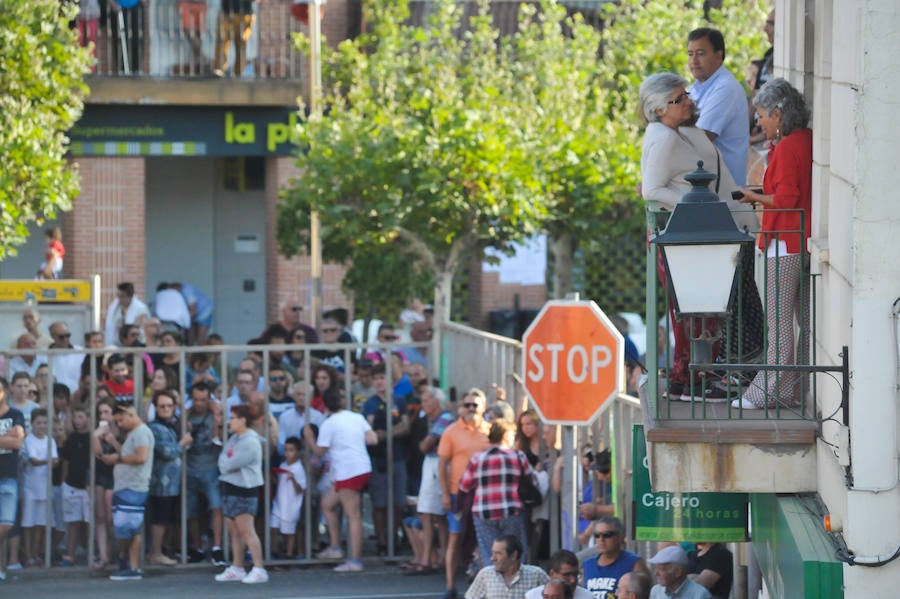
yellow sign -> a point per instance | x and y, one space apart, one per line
45 291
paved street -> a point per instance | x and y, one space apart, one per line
379 581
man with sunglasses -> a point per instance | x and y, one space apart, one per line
602 574
66 367
279 382
462 439
563 566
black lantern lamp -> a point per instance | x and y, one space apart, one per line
700 247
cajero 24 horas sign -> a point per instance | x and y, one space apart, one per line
184 131
696 517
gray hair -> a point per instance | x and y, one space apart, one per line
778 93
438 394
654 94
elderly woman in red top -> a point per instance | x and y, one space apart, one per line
786 199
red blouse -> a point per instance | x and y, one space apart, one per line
789 179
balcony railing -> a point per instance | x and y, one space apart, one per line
158 40
731 351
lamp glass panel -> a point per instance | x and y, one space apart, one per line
702 276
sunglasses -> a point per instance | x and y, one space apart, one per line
470 405
605 535
390 337
297 309
64 336
277 379
681 97
300 337
164 406
330 330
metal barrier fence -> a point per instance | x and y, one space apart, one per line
727 363
470 358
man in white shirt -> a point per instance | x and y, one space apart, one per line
563 565
66 368
125 309
721 101
292 421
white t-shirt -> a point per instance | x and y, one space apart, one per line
580 593
35 477
344 434
288 503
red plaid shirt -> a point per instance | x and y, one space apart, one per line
494 474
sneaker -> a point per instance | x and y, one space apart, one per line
18 566
196 556
330 553
717 395
675 390
217 557
450 594
349 566
744 404
161 560
126 575
256 576
231 574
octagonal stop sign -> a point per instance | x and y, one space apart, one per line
574 361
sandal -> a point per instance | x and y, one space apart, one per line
99 565
419 570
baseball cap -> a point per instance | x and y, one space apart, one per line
672 554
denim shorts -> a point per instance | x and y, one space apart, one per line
203 482
128 513
9 499
378 487
235 505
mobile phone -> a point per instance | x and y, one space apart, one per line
737 195
103 424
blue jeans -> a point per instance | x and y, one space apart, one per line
488 530
9 500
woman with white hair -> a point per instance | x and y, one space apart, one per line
671 150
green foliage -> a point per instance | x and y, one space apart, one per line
642 38
41 70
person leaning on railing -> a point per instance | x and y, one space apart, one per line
786 199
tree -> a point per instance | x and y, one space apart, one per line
41 70
421 143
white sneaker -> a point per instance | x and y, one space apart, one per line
745 404
349 566
231 574
256 576
330 553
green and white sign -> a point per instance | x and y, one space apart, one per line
695 517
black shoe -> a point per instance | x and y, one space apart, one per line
675 390
382 550
195 556
450 594
217 557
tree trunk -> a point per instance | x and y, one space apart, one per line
443 290
562 249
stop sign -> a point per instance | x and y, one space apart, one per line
573 361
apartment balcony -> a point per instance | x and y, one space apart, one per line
701 441
163 58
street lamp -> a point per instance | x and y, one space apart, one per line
700 247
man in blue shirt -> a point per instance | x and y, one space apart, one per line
602 573
201 309
721 101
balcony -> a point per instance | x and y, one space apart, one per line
172 60
702 442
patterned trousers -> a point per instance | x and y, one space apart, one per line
786 301
488 530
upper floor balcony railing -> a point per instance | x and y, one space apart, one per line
169 39
750 366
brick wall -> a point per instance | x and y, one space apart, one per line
289 278
105 231
487 293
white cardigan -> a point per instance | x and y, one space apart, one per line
668 155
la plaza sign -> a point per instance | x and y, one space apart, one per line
573 362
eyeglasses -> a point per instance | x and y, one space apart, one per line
605 535
390 337
164 406
470 405
680 98
277 379
297 309
63 336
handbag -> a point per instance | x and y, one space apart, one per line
529 494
